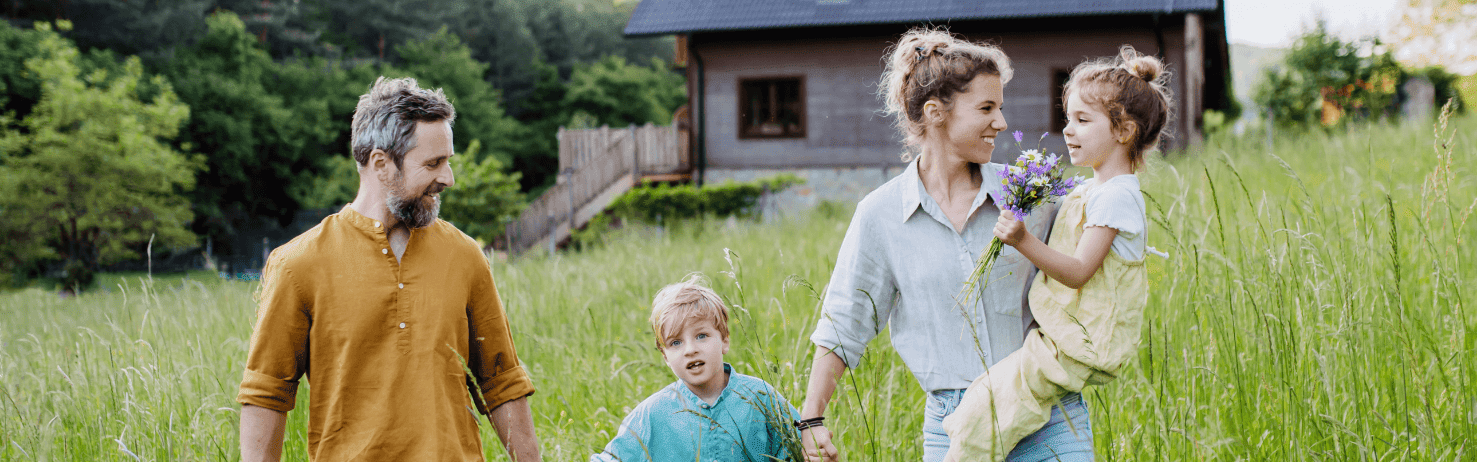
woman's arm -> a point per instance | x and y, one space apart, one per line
825 370
1071 270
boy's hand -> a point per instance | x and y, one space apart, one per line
817 444
1009 230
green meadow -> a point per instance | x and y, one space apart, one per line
1314 306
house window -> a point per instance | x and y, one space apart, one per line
772 108
1058 105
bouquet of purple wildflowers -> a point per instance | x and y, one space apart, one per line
1034 179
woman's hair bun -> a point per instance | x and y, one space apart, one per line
1139 65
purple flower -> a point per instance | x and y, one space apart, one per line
1018 136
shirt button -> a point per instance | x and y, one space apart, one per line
402 325
384 251
376 224
402 285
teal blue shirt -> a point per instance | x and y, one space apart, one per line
749 422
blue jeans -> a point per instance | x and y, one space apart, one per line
1054 442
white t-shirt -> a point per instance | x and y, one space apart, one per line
1119 204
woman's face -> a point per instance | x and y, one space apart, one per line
971 125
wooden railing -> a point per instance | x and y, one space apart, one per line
595 167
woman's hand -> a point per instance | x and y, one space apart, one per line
1010 230
817 444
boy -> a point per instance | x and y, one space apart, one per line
710 412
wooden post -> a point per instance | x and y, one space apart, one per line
564 148
568 193
1194 78
551 234
635 157
512 244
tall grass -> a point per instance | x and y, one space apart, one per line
1314 306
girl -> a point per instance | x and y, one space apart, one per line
1089 296
912 243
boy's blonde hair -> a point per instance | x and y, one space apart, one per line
687 301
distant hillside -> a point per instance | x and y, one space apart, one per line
1247 63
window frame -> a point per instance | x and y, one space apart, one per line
1057 105
742 101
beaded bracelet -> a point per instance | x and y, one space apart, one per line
810 423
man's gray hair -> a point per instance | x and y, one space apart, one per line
386 118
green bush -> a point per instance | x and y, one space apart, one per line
663 202
1325 80
484 198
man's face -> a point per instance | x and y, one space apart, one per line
414 194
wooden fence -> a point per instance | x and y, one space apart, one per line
595 167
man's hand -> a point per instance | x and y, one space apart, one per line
261 434
1010 230
818 447
513 421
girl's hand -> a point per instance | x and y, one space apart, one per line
817 444
1010 230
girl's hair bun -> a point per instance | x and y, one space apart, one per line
1144 67
1133 89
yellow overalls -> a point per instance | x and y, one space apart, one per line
1085 335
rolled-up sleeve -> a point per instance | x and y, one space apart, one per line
278 354
859 298
493 359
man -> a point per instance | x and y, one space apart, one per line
391 313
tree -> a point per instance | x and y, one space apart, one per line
484 197
255 145
442 61
575 32
498 33
128 27
281 27
543 115
372 28
18 92
620 94
92 177
1324 78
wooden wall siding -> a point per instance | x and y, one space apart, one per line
842 124
845 125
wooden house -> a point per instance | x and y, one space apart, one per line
791 85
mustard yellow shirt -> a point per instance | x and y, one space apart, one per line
382 343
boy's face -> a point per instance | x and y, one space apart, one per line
695 353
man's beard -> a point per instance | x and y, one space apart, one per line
413 211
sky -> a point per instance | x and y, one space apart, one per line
1275 23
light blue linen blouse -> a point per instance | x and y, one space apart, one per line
901 265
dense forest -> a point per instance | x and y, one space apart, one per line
252 101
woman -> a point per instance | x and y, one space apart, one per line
912 244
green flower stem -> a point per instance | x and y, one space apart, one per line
982 268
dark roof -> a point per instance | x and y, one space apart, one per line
657 17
